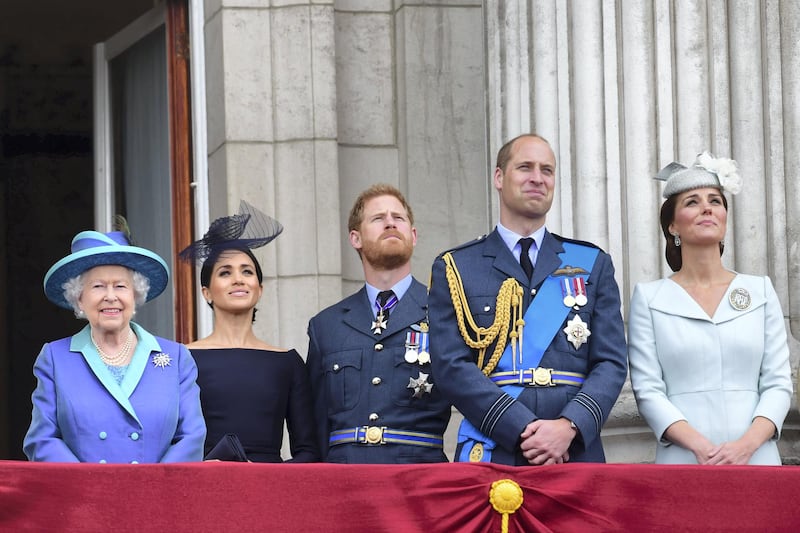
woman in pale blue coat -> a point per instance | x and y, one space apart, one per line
707 346
112 393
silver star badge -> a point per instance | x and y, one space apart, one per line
162 360
420 385
379 324
577 331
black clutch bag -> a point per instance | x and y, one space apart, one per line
229 448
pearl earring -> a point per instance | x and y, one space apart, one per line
677 240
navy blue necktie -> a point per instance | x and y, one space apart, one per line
524 256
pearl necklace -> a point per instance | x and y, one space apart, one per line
115 360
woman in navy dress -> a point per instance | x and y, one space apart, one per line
248 388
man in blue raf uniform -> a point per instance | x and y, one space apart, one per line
527 338
368 356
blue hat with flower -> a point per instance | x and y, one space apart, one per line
91 249
707 171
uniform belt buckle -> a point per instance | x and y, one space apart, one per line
373 435
542 377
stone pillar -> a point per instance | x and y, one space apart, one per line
440 124
788 28
366 110
272 131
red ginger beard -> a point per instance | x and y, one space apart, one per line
387 254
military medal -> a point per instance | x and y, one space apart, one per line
566 290
580 292
379 324
412 345
739 299
577 331
424 354
420 385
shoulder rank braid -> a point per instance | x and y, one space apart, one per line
508 304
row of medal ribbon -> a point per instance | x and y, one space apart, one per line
574 291
417 347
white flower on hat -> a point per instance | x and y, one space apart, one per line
725 169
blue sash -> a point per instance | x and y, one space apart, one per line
543 319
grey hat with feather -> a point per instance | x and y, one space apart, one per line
707 171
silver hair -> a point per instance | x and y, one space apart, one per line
73 288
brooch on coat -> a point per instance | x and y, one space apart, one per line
739 299
161 360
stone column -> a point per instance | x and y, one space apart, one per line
440 124
272 131
787 27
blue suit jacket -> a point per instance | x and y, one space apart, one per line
81 414
355 373
484 265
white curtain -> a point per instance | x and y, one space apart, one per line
142 170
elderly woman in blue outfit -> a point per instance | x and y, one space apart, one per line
112 393
707 346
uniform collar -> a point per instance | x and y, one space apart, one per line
511 240
399 290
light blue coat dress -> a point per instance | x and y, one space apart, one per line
81 413
717 373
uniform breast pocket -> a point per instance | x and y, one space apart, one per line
409 379
483 309
341 377
574 335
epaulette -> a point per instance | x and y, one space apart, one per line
576 241
467 244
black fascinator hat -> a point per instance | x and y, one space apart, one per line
248 229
